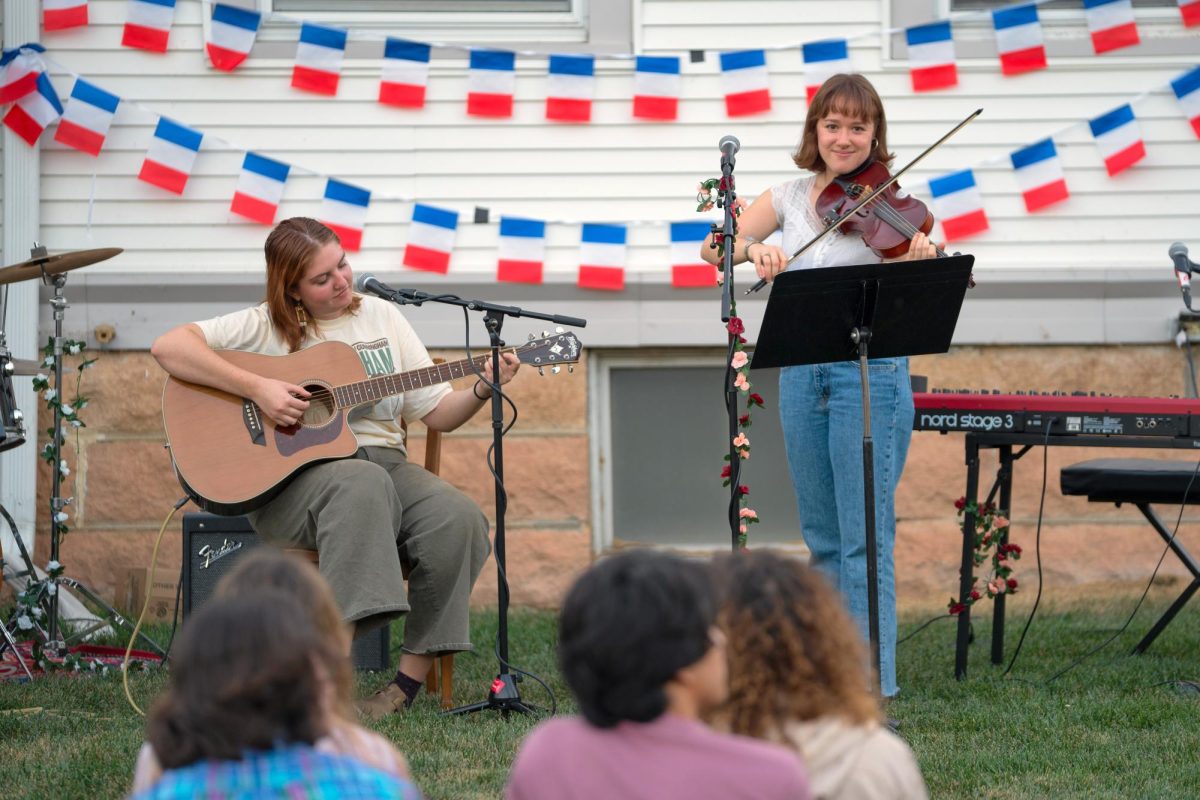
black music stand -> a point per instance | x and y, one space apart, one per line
817 316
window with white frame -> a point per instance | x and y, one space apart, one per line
597 26
1063 20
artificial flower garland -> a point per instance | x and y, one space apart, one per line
991 532
740 363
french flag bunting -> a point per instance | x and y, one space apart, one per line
232 35
34 112
344 210
688 269
171 155
259 188
20 75
1111 24
522 251
1187 91
602 257
656 87
931 57
405 73
59 15
148 24
570 85
1118 138
747 88
491 81
1190 9
1040 175
86 120
430 239
823 60
1019 39
319 59
958 205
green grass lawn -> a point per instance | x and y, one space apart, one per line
1109 728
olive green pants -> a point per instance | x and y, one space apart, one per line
366 516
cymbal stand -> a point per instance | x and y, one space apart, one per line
48 596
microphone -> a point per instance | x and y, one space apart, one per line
366 283
1183 270
729 145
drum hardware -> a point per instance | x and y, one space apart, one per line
52 270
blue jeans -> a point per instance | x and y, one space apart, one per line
820 407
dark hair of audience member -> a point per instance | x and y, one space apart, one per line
271 568
246 675
795 653
628 625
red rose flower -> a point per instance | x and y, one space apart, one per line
744 489
957 608
736 325
1015 549
726 471
743 419
960 503
1012 583
756 398
975 594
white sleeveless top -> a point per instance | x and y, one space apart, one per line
799 222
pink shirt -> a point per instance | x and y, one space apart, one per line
672 757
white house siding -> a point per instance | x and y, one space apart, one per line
1093 269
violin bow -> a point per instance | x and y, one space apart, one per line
871 195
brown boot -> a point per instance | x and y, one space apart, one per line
388 700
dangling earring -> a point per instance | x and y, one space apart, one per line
301 317
874 143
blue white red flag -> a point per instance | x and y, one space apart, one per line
1039 173
1111 24
319 59
491 81
405 73
148 24
344 210
958 205
1118 138
570 85
931 57
823 60
747 85
171 155
1019 39
688 269
656 87
231 35
431 239
34 112
259 188
87 118
522 250
602 257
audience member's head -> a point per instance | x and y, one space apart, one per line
637 635
247 674
795 654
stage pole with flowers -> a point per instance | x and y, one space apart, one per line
737 361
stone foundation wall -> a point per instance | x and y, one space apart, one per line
124 486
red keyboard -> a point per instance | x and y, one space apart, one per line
1064 413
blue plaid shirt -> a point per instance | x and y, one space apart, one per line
289 773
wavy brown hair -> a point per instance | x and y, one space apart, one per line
854 96
795 654
290 249
245 676
272 569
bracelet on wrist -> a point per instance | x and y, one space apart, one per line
475 391
748 246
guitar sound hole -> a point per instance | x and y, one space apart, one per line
320 406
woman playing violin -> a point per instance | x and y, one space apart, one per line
820 405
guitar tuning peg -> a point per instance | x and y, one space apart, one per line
541 370
531 337
555 369
571 368
559 329
545 334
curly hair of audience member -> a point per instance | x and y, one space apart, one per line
795 653
247 674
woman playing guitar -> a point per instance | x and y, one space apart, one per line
366 514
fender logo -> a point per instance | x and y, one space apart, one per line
211 554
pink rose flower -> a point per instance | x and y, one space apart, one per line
742 528
748 513
741 440
740 359
741 382
1000 522
997 585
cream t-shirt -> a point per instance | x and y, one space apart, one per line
378 332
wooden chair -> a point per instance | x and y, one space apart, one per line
441 674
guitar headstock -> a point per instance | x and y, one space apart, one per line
552 350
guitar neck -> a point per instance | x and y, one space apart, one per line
372 390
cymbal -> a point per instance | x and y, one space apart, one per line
54 265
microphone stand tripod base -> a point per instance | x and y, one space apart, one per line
503 697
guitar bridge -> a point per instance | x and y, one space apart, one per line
253 421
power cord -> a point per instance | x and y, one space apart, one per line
146 607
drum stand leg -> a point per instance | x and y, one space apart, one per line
29 571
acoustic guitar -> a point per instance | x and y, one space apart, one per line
231 458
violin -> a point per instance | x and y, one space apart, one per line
888 223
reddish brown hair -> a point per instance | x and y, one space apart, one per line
854 96
794 652
290 250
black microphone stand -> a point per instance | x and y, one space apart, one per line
503 696
726 198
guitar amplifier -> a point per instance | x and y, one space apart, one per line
212 545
